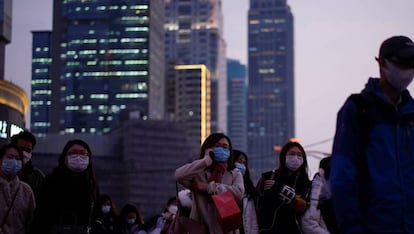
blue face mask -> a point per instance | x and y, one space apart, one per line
241 167
10 167
221 154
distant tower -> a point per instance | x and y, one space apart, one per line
105 57
5 30
13 99
194 35
237 104
271 81
192 102
41 83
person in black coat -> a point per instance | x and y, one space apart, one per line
283 192
68 193
105 216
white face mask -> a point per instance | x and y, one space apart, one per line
293 162
26 157
106 209
397 77
78 162
130 221
173 209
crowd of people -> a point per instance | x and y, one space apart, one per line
364 187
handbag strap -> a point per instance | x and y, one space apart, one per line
88 228
8 210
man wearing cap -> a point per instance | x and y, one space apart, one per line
372 174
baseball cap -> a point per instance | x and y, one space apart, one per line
398 49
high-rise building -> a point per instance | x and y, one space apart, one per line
13 99
107 56
192 102
271 81
194 35
5 30
41 83
237 104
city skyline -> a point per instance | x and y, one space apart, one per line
335 46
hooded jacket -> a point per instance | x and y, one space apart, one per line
372 177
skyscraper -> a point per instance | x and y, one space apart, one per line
107 56
41 83
5 30
194 35
13 100
237 104
271 81
192 102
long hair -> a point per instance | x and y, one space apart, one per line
248 183
102 199
89 170
130 208
211 141
303 170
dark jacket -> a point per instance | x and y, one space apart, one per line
274 215
373 163
65 199
104 223
33 176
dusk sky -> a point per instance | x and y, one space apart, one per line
335 46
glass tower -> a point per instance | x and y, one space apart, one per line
107 56
41 83
271 81
237 104
194 35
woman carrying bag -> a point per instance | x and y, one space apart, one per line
212 173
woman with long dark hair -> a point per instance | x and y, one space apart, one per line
250 195
213 173
283 192
69 193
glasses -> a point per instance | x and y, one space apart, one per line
299 154
84 153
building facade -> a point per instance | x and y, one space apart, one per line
271 81
105 57
192 102
13 100
5 30
194 35
13 107
41 96
237 104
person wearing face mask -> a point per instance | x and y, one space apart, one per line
105 216
30 174
17 202
283 192
319 218
159 224
247 204
212 173
373 151
69 192
130 220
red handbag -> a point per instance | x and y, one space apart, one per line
228 212
185 225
